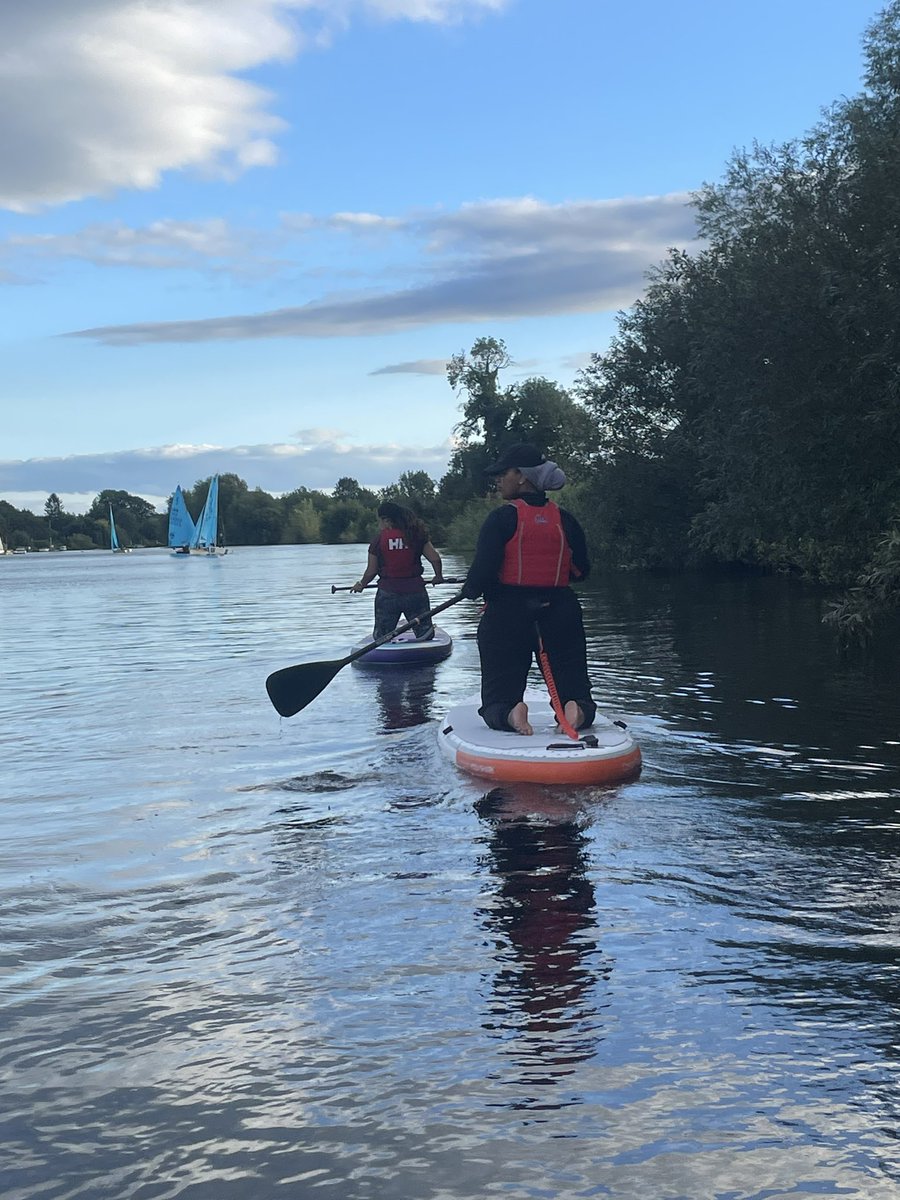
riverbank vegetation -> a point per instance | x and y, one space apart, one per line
746 413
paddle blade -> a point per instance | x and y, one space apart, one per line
292 688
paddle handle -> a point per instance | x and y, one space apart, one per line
428 583
401 629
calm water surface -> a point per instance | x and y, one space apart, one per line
251 958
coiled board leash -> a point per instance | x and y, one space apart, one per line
544 662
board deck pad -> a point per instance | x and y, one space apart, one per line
548 756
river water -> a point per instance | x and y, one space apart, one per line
247 958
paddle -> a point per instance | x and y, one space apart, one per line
428 583
292 688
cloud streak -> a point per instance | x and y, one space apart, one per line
208 247
421 366
493 261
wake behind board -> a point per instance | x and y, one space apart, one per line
545 757
404 650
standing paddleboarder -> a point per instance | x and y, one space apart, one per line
395 556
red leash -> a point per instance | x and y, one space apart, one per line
544 663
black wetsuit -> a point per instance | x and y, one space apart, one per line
507 636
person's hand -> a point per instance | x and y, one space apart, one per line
358 586
437 579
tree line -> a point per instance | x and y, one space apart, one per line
746 412
748 409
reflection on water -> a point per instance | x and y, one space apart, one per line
404 695
541 919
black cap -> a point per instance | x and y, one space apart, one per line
522 454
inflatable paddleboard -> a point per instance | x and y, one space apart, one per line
605 753
404 650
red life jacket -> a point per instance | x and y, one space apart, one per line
397 559
537 554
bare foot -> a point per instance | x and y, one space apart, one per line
518 719
573 714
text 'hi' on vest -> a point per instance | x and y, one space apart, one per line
397 559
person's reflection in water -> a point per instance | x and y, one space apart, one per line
542 919
405 696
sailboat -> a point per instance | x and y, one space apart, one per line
206 535
114 537
181 524
186 538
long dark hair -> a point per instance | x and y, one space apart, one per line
403 518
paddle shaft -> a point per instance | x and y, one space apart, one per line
428 583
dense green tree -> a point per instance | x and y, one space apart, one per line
123 503
347 488
535 410
546 415
301 516
758 380
486 408
417 491
465 479
413 489
251 518
302 524
137 521
348 521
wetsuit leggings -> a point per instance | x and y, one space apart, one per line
507 642
391 606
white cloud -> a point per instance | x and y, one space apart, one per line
497 260
101 94
97 95
315 459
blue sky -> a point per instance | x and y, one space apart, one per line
246 235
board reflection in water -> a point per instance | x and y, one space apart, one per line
542 920
404 695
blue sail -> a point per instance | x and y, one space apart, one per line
207 526
113 538
181 526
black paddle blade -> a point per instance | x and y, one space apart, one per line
292 688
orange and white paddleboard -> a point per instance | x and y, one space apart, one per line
604 753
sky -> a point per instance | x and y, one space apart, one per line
247 235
